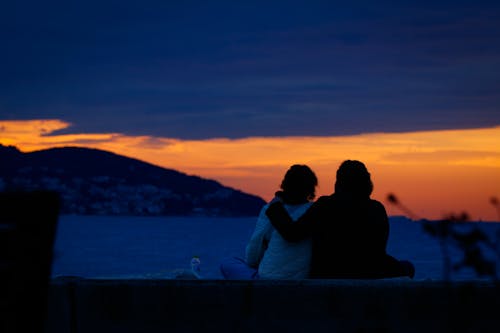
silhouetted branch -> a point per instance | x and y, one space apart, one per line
494 201
391 197
469 242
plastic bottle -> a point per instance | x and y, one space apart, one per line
195 266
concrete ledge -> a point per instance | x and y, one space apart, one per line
83 305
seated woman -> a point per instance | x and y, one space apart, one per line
268 255
349 231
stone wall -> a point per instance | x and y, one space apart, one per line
147 306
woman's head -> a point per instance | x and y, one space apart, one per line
299 184
353 180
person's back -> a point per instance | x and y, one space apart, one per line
281 259
268 255
351 234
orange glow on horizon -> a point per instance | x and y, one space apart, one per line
432 172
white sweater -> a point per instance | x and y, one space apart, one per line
281 259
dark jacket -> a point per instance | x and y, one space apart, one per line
349 237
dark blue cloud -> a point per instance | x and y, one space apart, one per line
197 69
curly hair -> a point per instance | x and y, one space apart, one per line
353 180
299 184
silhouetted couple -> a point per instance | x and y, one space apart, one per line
343 235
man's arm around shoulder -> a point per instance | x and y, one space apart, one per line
283 223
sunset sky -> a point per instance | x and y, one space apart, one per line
238 91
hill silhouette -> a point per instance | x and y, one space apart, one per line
93 181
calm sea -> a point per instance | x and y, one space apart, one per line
143 247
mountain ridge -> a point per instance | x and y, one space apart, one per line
93 181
